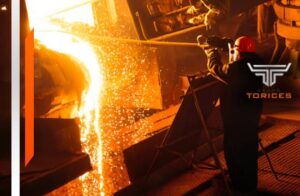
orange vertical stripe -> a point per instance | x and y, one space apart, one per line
29 97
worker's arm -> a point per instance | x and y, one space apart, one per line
215 65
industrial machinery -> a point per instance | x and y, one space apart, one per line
288 27
183 21
189 132
170 18
162 20
60 82
57 146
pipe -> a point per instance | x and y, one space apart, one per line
132 41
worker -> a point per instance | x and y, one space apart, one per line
239 113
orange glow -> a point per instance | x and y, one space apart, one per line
41 12
29 97
49 33
4 8
126 75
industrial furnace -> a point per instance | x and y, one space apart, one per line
150 97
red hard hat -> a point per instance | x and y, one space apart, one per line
245 44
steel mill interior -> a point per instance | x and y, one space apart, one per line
114 89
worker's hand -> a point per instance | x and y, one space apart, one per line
208 42
202 42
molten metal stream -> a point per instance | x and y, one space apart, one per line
89 109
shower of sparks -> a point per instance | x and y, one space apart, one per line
89 108
81 51
118 72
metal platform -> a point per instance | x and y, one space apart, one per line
281 140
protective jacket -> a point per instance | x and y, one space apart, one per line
240 117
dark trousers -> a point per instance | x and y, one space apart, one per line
241 148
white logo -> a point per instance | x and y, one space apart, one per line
269 72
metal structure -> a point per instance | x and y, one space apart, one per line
288 27
188 133
170 18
